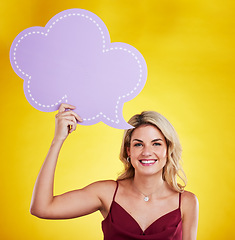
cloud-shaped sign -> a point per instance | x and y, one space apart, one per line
72 60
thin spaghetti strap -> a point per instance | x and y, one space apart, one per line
179 200
114 195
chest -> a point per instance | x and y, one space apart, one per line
144 214
120 223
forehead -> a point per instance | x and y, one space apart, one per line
147 132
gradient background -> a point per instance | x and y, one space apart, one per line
189 50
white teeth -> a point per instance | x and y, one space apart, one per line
147 161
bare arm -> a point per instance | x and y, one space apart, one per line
190 210
71 204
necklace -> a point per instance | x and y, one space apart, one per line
146 197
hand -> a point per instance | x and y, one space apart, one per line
65 121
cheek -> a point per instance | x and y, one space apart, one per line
133 152
164 153
164 156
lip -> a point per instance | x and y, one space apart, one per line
147 162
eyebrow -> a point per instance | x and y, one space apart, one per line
154 140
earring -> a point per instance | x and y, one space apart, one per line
128 159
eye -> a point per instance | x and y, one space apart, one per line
157 144
137 144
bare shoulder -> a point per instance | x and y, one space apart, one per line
105 184
102 188
111 185
189 198
189 203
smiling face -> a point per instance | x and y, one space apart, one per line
148 150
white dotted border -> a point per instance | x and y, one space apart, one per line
104 50
29 77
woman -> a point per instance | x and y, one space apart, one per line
145 203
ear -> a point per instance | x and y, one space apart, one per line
128 151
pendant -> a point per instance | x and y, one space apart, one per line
146 199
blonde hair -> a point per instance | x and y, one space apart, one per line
172 168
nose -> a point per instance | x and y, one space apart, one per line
147 151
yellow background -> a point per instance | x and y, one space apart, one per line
189 50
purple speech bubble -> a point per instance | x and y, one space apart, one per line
71 60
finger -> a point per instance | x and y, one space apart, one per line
77 117
72 113
66 116
71 119
72 126
65 106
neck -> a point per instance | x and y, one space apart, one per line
148 185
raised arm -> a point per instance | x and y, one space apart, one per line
71 204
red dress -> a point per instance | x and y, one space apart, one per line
120 225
